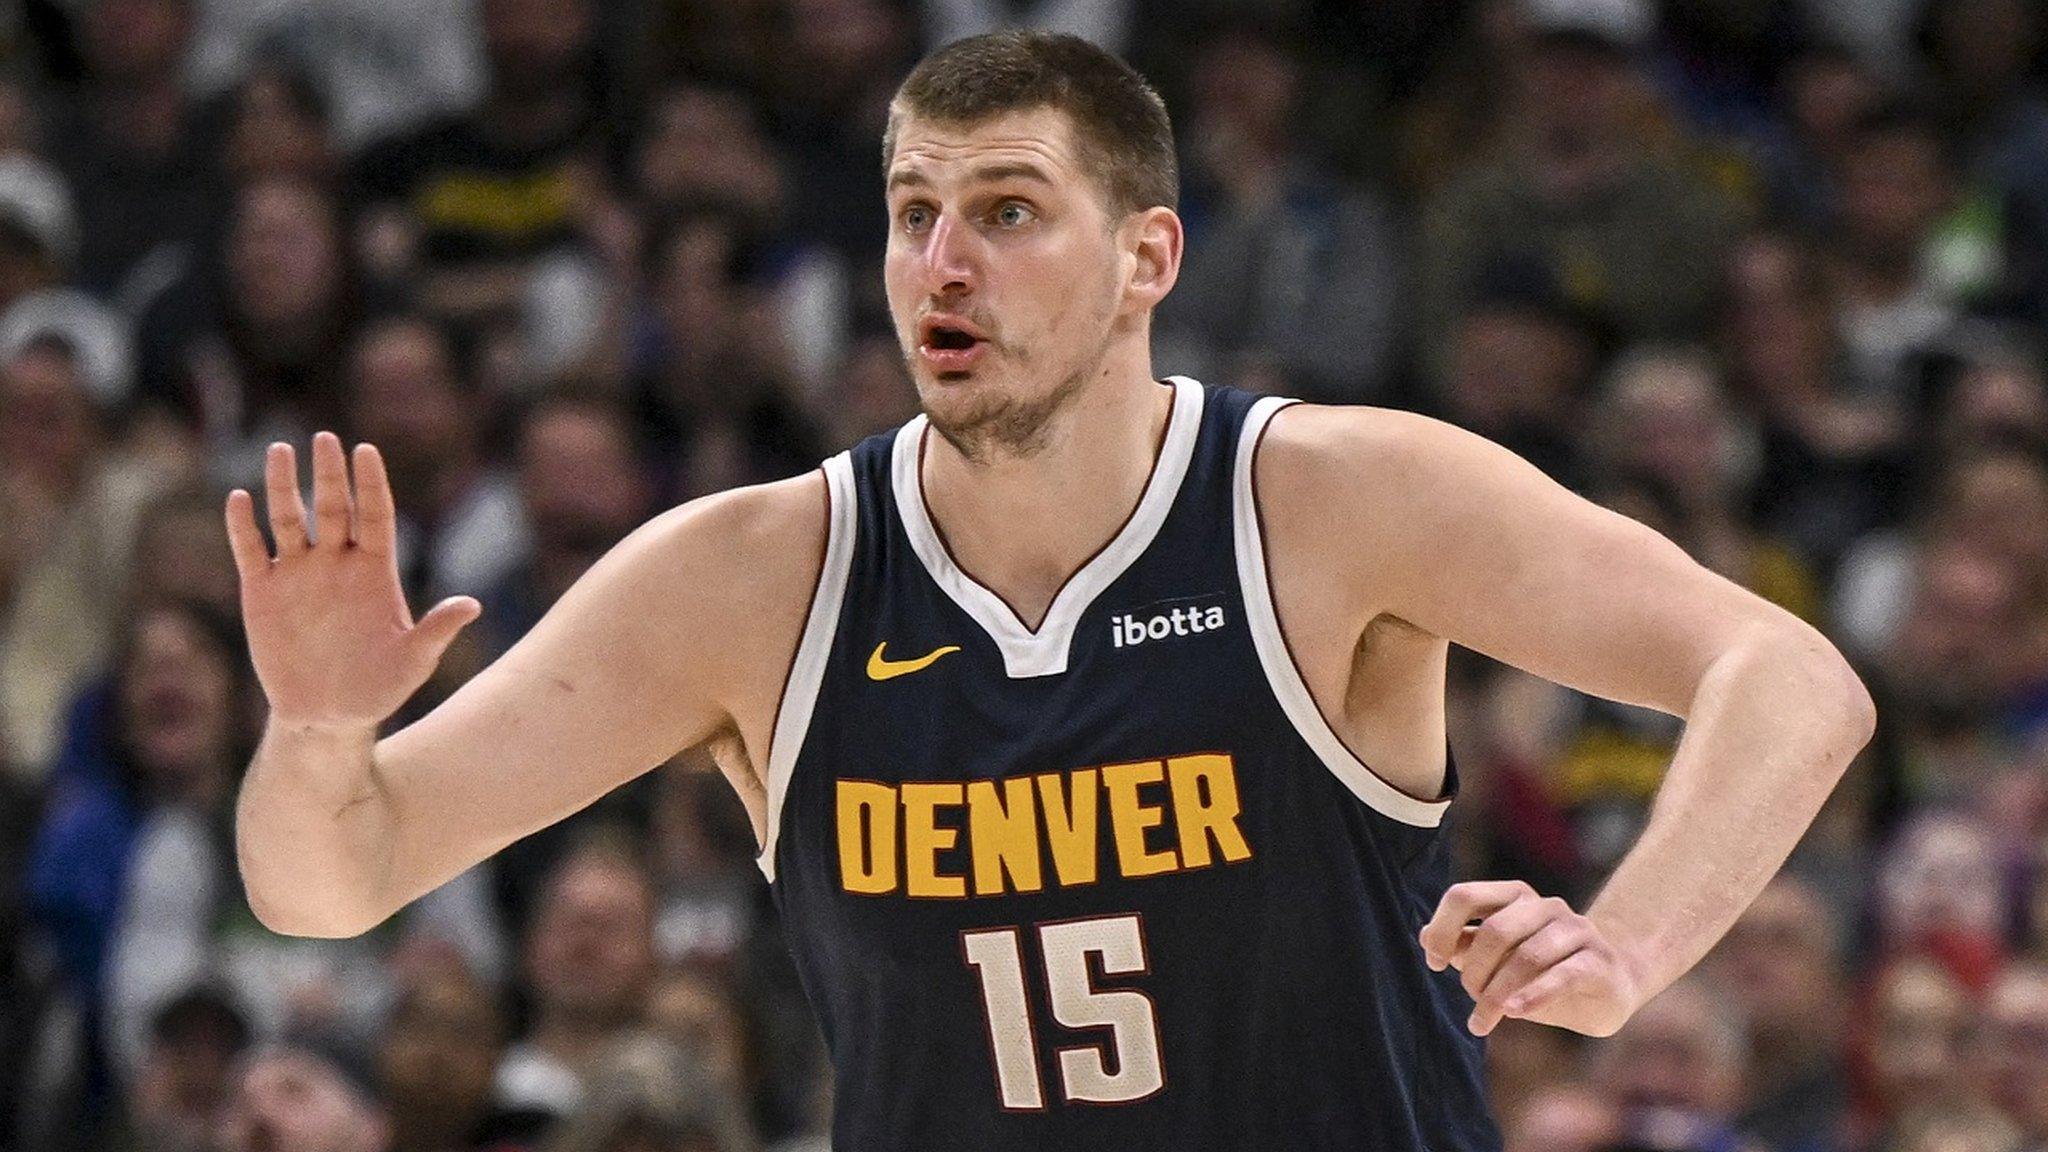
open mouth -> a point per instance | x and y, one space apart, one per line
951 345
950 339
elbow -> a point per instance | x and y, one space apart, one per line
1837 697
296 913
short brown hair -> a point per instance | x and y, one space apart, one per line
1120 123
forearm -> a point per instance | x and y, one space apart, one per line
1773 725
315 832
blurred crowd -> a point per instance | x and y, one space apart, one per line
1768 275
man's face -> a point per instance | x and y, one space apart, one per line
582 490
290 1102
406 399
591 954
1777 962
2015 1044
1005 274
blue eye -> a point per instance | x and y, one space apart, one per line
1013 213
916 218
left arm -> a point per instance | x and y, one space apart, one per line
1462 538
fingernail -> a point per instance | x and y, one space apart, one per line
1435 962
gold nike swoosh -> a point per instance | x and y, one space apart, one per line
880 669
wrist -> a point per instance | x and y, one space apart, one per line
321 729
1635 957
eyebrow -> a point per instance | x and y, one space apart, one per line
988 174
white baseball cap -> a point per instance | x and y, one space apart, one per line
1624 24
35 199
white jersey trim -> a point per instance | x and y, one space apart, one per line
1044 652
807 670
1281 674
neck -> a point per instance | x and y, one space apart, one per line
1023 524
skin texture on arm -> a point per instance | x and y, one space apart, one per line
680 634
1394 515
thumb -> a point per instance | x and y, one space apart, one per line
438 627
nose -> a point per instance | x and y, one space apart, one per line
951 264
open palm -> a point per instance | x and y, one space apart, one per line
331 636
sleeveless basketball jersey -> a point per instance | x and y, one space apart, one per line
1113 883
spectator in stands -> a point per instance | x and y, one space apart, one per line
1676 1069
277 125
828 99
1566 1117
649 1093
68 504
174 748
1524 1063
711 374
1626 233
1978 56
38 227
249 345
470 203
306 1095
460 527
182 1085
1909 1044
2013 1045
702 846
1518 368
589 962
1957 1126
383 67
1672 437
439 1051
703 150
871 392
1953 667
1893 297
1941 889
1292 281
583 485
1834 461
695 1008
134 146
1781 967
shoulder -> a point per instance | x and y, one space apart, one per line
1378 494
750 541
1316 447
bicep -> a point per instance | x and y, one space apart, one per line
1463 538
634 663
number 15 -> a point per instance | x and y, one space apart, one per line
997 954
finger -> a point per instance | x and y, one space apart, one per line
1529 959
1539 993
376 515
1462 903
245 539
330 490
281 494
1500 934
437 629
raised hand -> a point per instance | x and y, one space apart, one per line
1530 957
332 638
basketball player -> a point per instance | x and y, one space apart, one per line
1092 725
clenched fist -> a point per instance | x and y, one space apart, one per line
1530 957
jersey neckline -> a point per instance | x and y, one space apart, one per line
1043 652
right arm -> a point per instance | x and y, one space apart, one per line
659 646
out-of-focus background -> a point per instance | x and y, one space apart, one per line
1769 275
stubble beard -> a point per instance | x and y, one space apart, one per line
1004 425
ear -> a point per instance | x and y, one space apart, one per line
1151 241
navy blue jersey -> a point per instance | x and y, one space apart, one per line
1113 883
